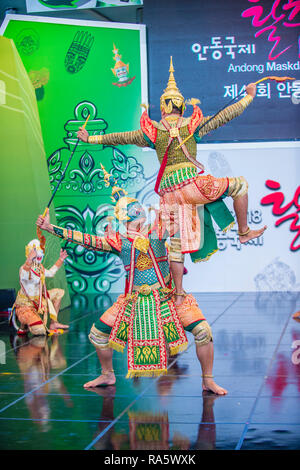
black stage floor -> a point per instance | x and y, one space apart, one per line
44 406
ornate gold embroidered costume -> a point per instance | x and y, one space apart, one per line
179 185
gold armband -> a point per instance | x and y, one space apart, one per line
95 139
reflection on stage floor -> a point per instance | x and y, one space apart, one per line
43 404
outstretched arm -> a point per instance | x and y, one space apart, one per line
116 138
228 113
91 242
53 270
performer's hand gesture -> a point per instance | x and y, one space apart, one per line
251 89
63 254
44 222
83 134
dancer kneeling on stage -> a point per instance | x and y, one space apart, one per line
34 302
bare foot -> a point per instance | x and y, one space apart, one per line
252 234
178 299
210 385
55 331
296 316
102 381
55 325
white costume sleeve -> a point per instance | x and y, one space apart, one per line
24 275
52 271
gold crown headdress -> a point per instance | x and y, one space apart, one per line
171 93
33 244
118 195
40 243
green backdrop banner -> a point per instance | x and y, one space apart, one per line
79 69
24 179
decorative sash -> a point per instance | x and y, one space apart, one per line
162 167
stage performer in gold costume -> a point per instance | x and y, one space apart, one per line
145 317
188 200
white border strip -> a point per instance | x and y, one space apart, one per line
144 70
249 145
46 19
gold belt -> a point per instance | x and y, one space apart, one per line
177 166
146 289
22 300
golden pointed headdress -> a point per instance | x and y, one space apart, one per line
171 93
118 195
